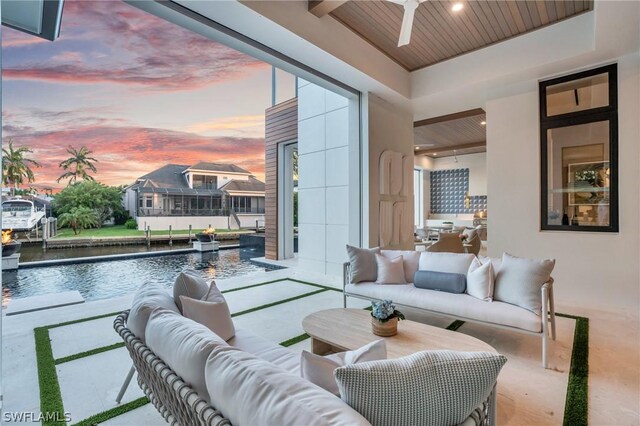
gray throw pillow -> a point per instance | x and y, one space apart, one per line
441 281
519 281
189 284
363 264
430 388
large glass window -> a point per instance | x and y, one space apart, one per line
579 145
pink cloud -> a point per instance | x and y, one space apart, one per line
126 153
124 45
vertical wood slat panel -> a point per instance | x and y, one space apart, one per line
281 125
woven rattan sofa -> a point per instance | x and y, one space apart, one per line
174 399
179 403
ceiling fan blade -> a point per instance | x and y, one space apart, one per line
407 22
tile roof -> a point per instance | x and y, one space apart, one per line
251 185
218 167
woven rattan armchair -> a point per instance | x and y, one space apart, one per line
174 399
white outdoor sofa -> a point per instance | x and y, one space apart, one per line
462 306
179 403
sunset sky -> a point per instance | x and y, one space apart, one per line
136 90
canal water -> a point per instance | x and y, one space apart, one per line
106 279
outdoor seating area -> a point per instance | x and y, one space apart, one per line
319 212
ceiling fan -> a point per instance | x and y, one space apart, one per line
410 7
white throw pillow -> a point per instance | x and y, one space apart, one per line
480 280
251 391
148 297
319 369
520 281
455 263
190 284
410 261
390 271
183 344
427 388
212 312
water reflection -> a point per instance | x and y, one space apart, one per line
102 280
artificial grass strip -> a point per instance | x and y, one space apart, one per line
455 325
294 340
51 404
295 280
279 302
576 406
114 412
89 353
63 324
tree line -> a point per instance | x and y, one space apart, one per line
83 203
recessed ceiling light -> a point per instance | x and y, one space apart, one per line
457 7
435 153
416 148
483 123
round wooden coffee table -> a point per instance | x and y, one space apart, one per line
336 330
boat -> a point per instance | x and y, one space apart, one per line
21 215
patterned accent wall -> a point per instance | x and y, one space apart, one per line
447 193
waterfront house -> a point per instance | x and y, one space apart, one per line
218 194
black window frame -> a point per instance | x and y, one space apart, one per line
605 113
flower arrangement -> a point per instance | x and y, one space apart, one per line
385 310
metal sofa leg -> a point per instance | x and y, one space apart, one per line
545 324
552 313
125 385
493 406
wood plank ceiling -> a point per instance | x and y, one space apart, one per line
439 33
457 134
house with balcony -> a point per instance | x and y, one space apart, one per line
218 194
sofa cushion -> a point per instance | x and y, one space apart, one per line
410 259
520 280
440 281
363 263
266 349
251 391
390 271
480 280
212 312
460 305
430 388
496 262
457 263
190 284
319 369
148 297
183 344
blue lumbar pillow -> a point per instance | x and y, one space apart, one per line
441 281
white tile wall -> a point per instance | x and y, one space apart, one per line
311 206
312 132
337 128
337 197
337 239
312 170
323 192
337 166
334 101
310 101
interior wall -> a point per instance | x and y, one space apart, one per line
323 185
597 270
389 128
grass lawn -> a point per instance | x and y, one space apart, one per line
121 231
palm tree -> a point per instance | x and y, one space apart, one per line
77 165
16 167
78 218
